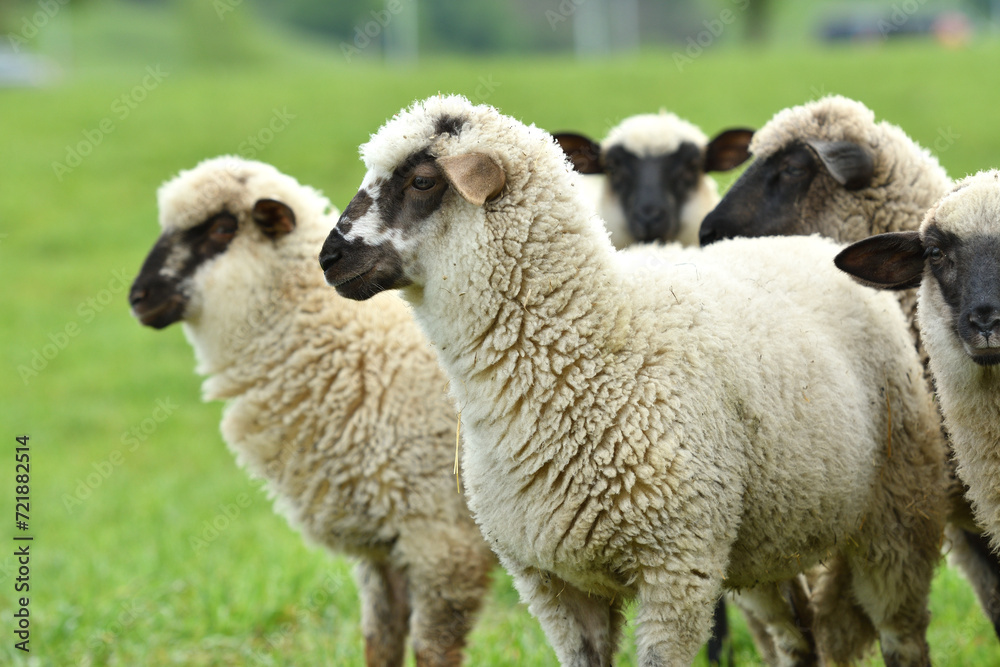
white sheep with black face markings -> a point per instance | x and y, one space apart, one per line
341 407
955 259
828 167
649 177
652 425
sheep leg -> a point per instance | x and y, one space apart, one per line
894 593
448 571
584 629
674 617
970 552
385 612
844 633
784 611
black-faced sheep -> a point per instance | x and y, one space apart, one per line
828 167
955 259
341 407
650 425
650 178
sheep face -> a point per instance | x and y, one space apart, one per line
373 247
956 257
767 198
653 171
162 292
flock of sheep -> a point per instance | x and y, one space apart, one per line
637 418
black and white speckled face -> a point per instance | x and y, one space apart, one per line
967 273
162 290
363 255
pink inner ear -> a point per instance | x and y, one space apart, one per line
474 175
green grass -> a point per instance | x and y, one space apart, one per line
114 578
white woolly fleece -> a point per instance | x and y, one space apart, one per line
657 424
906 180
969 393
340 406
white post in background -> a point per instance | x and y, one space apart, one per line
401 38
602 27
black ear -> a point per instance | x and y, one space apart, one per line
728 150
848 163
583 152
885 261
274 218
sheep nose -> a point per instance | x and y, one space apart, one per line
649 212
333 250
137 295
708 235
985 317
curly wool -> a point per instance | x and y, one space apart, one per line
906 179
968 392
340 406
596 389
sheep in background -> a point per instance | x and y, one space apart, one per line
955 259
649 425
341 407
650 180
828 167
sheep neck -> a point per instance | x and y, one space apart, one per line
524 318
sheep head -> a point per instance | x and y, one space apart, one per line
204 212
806 158
654 164
955 257
405 201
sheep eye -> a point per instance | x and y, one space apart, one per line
423 183
934 254
793 171
223 230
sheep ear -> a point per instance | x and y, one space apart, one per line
583 152
848 163
474 175
885 261
728 150
274 218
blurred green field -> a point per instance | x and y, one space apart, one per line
129 472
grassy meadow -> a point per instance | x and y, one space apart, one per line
150 546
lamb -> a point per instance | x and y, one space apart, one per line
954 259
341 407
649 181
650 175
649 425
827 167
